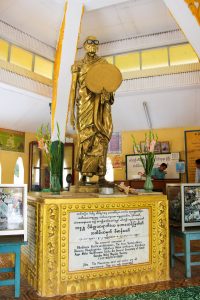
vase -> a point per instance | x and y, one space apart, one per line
148 185
55 184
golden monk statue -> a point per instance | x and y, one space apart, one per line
92 113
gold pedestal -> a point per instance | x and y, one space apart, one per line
94 188
46 261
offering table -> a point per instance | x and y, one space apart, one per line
85 242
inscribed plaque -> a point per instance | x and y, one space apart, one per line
105 239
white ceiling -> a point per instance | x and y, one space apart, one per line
167 109
42 18
24 111
21 110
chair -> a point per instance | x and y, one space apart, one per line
12 247
187 236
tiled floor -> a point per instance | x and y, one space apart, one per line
177 280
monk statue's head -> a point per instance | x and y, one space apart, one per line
91 45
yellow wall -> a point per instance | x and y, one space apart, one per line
175 136
8 160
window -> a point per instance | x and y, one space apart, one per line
155 58
21 58
128 62
4 50
19 172
109 173
43 67
182 54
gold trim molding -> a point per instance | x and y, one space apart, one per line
194 6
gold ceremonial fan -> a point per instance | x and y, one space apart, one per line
102 76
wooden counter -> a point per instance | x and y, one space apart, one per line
158 185
81 243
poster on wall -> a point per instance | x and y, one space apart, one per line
115 146
11 140
117 162
134 165
13 210
192 151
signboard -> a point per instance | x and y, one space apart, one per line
115 143
192 150
134 165
105 239
12 140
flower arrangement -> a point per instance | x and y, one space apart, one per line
52 154
147 156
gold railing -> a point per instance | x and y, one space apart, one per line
194 6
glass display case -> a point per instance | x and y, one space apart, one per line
190 194
13 210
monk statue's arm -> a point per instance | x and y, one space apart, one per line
73 95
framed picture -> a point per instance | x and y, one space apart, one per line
190 196
165 147
13 210
11 140
180 167
157 148
174 197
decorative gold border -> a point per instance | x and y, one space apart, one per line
52 276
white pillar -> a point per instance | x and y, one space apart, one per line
187 22
65 56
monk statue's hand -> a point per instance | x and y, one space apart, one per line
105 96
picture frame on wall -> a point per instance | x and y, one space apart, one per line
13 210
157 148
165 147
180 167
190 196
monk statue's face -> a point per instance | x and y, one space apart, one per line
91 46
